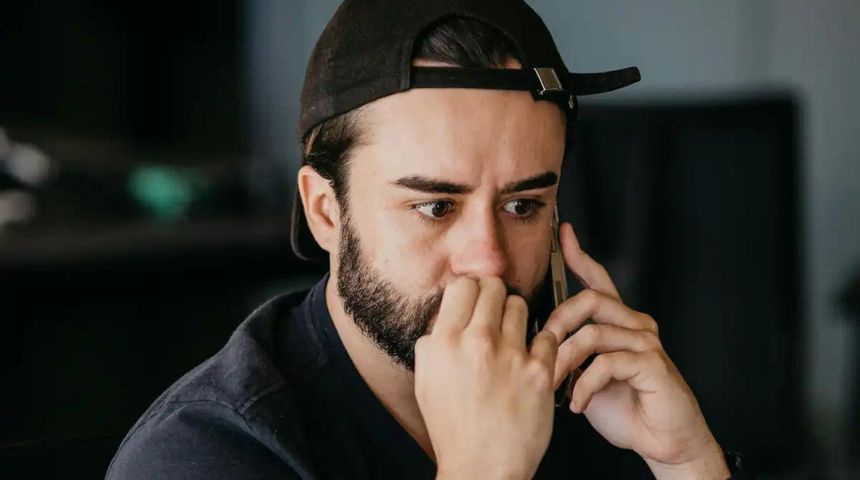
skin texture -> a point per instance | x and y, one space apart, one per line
475 381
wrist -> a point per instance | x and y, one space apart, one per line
473 471
709 464
471 475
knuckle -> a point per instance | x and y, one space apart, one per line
591 297
601 269
648 321
518 363
539 375
554 317
479 342
652 341
645 341
446 337
589 333
602 362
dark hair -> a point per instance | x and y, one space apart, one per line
459 41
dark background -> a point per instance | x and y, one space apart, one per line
696 198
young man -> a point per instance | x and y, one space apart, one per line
433 136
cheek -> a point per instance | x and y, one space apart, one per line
402 249
529 259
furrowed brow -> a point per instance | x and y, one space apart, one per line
546 179
432 185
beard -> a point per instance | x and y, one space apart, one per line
392 320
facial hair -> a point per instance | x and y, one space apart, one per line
390 319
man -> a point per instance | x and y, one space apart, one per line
433 135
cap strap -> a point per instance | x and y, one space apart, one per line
540 81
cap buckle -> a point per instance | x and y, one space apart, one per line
548 79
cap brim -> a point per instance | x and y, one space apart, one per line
602 82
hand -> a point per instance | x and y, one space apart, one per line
631 393
486 399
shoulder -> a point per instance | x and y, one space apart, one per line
233 416
244 371
191 440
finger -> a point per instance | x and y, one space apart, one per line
544 348
596 338
637 369
589 272
487 316
420 345
591 304
515 321
458 302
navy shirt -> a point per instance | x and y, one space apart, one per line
282 399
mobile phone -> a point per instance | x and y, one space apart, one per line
560 293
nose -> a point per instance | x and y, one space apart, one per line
478 246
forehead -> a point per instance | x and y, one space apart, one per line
461 133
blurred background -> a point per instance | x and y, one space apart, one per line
148 152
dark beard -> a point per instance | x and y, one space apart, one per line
393 321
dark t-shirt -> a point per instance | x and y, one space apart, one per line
283 400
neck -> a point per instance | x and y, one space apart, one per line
392 384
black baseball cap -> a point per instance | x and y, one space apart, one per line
366 51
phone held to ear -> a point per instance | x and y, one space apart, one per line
559 295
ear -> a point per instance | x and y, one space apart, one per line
321 208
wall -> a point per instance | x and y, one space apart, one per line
682 47
808 47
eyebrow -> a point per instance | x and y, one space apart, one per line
546 179
432 185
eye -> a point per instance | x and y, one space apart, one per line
435 210
522 207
